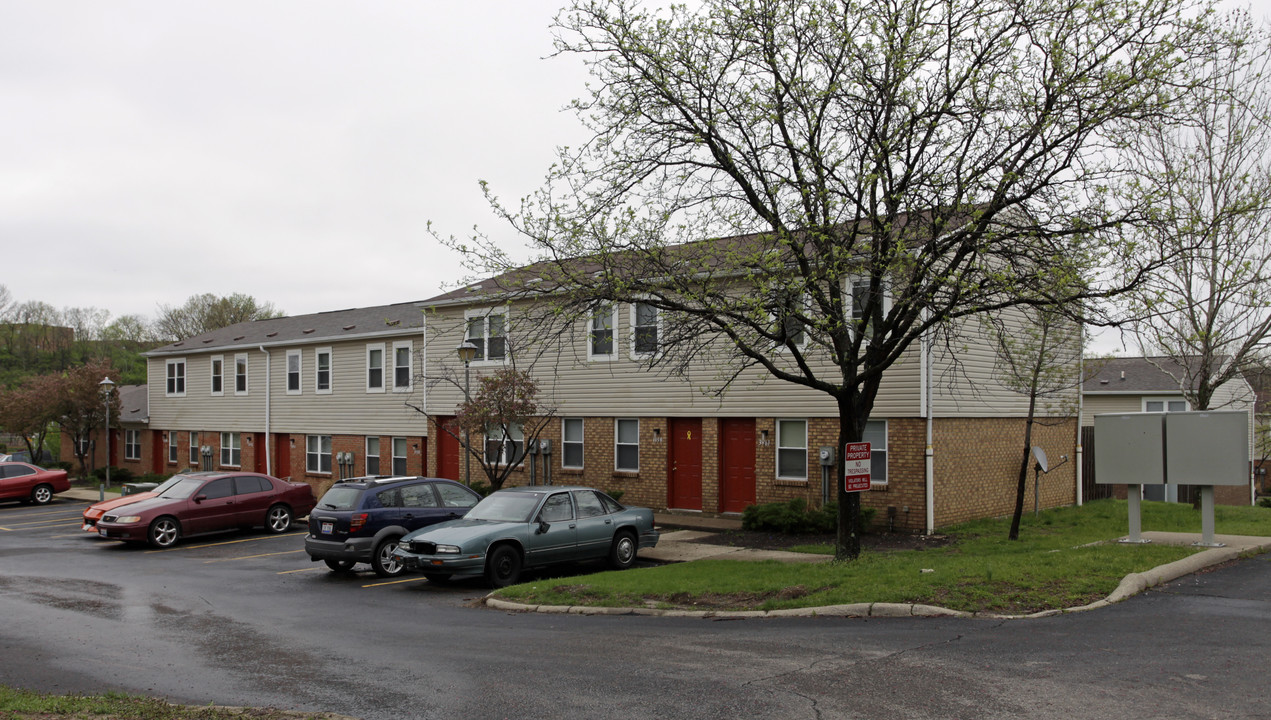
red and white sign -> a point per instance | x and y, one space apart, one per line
856 467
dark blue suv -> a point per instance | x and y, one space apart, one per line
361 519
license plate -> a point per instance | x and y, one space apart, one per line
87 527
102 532
327 528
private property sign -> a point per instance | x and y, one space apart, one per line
856 467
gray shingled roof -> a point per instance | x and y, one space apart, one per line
1135 375
134 404
333 326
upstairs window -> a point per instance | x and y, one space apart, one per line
402 375
293 372
218 375
375 368
322 371
240 374
600 333
488 333
645 326
175 378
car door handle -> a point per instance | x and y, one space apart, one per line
608 521
573 526
409 516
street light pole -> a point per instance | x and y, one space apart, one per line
467 352
106 386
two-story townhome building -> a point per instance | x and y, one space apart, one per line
947 434
310 397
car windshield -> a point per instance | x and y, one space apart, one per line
167 484
340 498
506 507
184 488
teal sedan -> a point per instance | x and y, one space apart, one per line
527 527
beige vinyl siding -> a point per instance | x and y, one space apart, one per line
966 380
1100 404
622 386
347 409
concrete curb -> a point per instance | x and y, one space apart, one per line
1130 585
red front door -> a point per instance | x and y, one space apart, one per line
736 464
262 457
685 473
282 456
447 451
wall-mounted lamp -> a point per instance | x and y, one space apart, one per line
249 439
657 435
293 442
763 438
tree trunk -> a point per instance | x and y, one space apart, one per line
848 542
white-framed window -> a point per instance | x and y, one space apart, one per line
375 368
403 351
646 329
487 330
294 366
83 446
240 374
787 323
399 456
856 291
132 444
792 449
372 456
218 375
1164 404
322 380
876 435
504 448
231 449
600 328
626 444
194 448
175 378
173 444
318 454
571 444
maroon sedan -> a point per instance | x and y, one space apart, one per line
208 502
28 483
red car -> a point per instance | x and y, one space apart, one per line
96 510
28 483
208 502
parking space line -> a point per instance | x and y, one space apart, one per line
55 522
249 557
227 542
395 582
308 569
54 511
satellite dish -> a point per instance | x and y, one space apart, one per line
1040 456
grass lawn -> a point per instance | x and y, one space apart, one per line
1062 560
18 704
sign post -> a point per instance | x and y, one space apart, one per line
856 468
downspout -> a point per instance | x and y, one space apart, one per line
1081 407
269 459
930 461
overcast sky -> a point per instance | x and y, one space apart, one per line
294 150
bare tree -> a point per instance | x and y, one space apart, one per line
1208 312
879 169
208 312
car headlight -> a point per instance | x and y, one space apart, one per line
128 519
447 549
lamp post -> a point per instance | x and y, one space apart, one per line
467 352
106 385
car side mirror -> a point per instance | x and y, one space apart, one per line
542 526
200 498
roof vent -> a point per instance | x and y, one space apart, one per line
1122 375
178 344
209 340
272 334
240 337
349 327
474 288
306 331
1103 382
392 323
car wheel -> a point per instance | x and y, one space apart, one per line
278 519
503 567
164 532
384 562
42 494
439 578
622 554
340 565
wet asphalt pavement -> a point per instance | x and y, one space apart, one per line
246 619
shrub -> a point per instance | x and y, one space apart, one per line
117 474
795 518
615 494
1265 502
